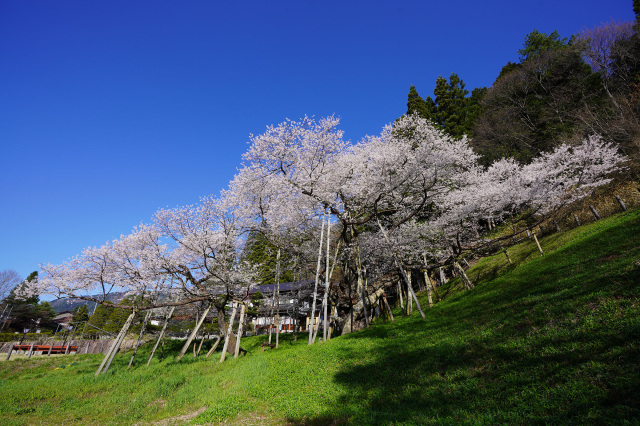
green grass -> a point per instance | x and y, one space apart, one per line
552 339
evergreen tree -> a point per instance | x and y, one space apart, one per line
535 105
100 318
81 313
453 110
262 253
536 43
28 313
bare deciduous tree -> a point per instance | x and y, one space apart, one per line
8 280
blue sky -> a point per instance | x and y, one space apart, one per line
110 110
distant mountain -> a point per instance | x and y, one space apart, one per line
69 304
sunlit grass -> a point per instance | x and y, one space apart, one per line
553 338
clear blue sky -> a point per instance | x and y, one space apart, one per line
110 110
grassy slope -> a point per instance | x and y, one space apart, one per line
554 339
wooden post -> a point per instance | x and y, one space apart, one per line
9 354
507 255
463 276
142 329
31 350
240 324
327 279
315 289
116 344
624 208
538 244
556 224
427 282
409 309
399 265
195 355
229 331
594 211
443 277
164 328
213 348
575 216
193 333
277 299
386 304
70 340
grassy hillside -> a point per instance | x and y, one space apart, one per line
549 339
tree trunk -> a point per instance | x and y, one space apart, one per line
229 333
357 308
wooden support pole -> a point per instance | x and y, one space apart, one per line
409 309
213 348
142 329
399 265
70 340
164 328
556 224
229 331
594 211
111 348
624 208
538 244
463 276
277 298
386 304
240 324
9 354
31 350
427 282
315 289
193 333
327 280
195 355
506 253
575 216
116 344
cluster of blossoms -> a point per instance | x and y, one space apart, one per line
399 197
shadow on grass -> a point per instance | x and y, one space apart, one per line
555 341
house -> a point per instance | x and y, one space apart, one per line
295 302
63 318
